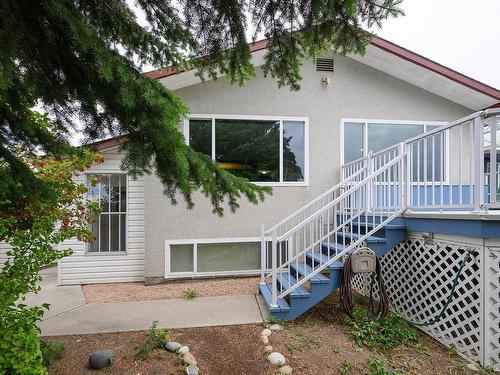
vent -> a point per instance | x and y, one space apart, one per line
324 65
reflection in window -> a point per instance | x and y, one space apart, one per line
251 148
109 226
248 148
293 151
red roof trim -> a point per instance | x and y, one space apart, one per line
435 67
390 48
106 143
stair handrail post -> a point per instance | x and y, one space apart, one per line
478 155
369 187
403 179
263 253
274 280
493 183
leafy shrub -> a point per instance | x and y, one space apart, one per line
386 333
190 293
376 365
345 368
157 338
51 350
33 227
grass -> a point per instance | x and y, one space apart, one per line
51 350
382 334
376 366
301 342
274 320
156 340
190 293
345 368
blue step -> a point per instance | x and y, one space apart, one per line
287 280
304 269
364 224
283 306
323 258
355 236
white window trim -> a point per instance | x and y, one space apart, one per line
87 245
264 118
195 242
395 122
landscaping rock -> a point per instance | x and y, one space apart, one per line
276 327
276 359
268 349
192 370
266 332
189 359
101 359
265 339
172 346
183 350
472 367
285 370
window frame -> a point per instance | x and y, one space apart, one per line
87 244
281 119
365 123
195 243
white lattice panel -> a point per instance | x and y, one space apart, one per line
492 308
418 279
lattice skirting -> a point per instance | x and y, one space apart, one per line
419 277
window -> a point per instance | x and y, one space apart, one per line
261 149
109 227
214 256
362 137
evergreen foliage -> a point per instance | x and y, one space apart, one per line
82 59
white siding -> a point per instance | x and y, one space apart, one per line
87 268
3 252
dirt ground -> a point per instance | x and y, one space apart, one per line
318 343
122 292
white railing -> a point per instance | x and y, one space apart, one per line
440 169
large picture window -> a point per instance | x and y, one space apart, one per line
261 149
109 227
364 136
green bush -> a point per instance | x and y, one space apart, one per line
386 333
33 229
157 338
51 350
190 293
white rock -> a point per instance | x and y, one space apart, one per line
265 339
285 370
189 359
472 367
266 332
276 359
183 350
276 327
268 349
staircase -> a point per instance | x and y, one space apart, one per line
305 250
301 256
326 282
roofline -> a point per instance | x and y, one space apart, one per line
106 143
389 47
435 67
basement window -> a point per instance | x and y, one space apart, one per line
212 257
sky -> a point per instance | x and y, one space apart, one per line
461 34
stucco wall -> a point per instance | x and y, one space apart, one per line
356 91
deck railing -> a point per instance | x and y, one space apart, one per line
442 169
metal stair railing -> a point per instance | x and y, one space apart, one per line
346 216
440 169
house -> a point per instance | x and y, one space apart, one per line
385 149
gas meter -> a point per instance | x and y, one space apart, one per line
363 260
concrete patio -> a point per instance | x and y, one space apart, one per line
69 314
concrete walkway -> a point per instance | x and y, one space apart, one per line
70 315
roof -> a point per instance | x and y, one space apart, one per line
390 58
381 54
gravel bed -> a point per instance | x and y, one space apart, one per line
121 292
